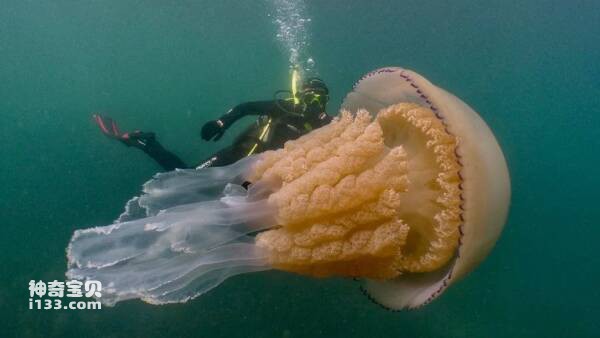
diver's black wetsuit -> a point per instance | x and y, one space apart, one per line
147 143
278 122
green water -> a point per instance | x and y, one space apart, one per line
531 68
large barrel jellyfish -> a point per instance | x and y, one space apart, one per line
407 190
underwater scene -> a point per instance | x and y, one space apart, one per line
283 168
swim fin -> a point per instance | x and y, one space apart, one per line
109 127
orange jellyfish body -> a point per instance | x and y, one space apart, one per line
374 199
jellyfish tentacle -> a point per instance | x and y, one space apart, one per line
175 278
194 226
184 186
179 252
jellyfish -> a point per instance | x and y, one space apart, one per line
407 190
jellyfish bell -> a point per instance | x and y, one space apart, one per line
406 189
484 180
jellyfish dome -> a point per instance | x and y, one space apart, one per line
407 190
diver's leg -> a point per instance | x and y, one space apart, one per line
221 158
142 140
162 156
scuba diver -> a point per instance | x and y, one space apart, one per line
279 120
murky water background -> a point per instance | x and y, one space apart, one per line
529 67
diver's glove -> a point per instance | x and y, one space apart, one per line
215 128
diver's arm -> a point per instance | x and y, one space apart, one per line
216 128
245 109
